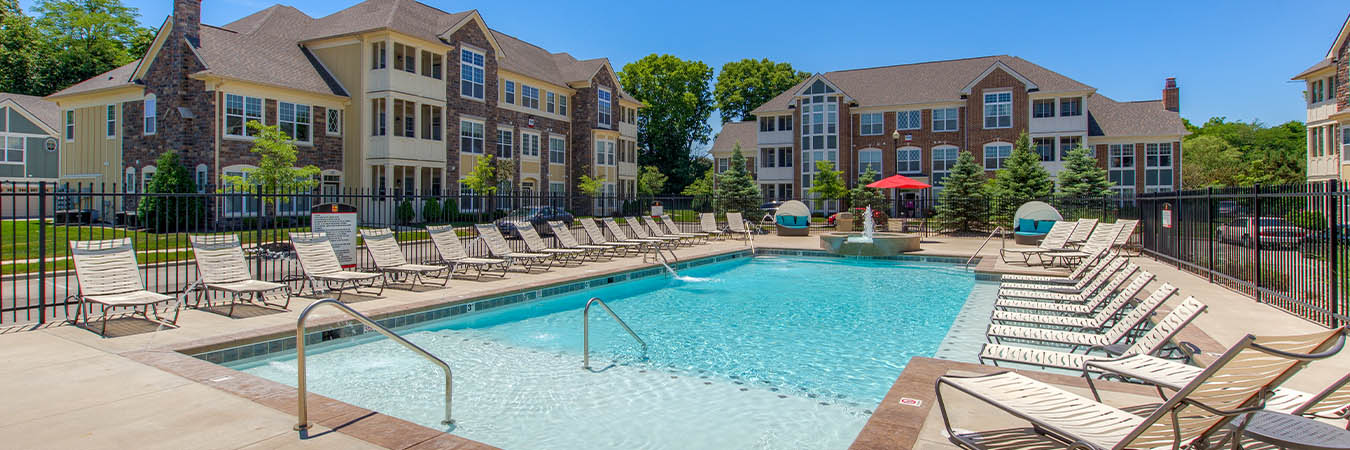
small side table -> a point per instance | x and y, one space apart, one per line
1296 432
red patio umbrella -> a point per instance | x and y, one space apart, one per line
899 182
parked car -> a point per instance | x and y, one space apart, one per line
539 217
877 215
1316 245
1229 208
770 208
1271 232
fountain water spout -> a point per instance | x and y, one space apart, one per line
869 228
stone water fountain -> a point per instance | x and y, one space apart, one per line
869 242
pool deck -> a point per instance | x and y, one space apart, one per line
66 387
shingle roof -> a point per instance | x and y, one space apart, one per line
1107 117
43 110
927 82
733 132
120 76
405 16
268 53
1315 67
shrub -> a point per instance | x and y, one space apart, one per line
431 210
165 214
1312 220
405 213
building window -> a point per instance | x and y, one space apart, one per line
510 88
201 178
557 150
147 174
129 181
239 110
820 123
604 153
784 123
998 110
869 159
111 122
295 120
70 126
1067 144
909 120
14 150
431 64
1158 167
505 139
909 160
766 124
944 157
405 58
150 113
431 122
602 116
945 119
562 104
871 124
996 154
471 74
529 96
766 157
785 157
334 124
378 52
378 117
1345 143
1072 106
722 164
529 145
550 103
1120 169
469 201
1043 108
1045 147
378 180
405 115
470 137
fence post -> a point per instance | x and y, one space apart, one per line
1256 240
1209 230
258 233
42 252
1334 255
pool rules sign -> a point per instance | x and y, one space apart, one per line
338 222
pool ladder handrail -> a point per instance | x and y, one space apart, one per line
749 237
1003 238
302 412
586 330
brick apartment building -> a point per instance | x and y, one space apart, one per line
914 119
389 96
1329 111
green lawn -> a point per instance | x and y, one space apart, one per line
19 239
64 264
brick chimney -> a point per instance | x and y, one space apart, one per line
187 19
1171 95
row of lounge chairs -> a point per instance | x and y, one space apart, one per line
108 274
1092 322
1066 240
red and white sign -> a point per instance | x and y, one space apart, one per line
338 223
1167 215
911 402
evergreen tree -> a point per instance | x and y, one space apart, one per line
962 204
651 181
169 213
1022 179
736 191
1081 176
862 196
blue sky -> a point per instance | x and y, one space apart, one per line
1233 61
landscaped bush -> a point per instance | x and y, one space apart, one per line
405 212
431 210
450 209
1312 220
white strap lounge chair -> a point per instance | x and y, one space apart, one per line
1081 339
641 233
1083 322
319 263
498 247
736 226
1089 305
1056 239
708 224
1151 342
221 266
569 241
622 236
1233 386
672 229
1082 231
384 249
453 255
659 232
1127 229
535 244
1102 237
1067 293
1079 279
597 237
109 276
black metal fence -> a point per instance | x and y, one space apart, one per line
1283 245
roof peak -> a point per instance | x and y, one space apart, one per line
920 63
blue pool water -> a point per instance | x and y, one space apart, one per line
765 352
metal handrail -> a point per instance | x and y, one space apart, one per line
303 413
1003 236
749 237
586 330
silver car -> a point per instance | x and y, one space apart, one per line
1271 232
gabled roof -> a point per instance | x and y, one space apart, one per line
1323 64
37 107
733 132
1341 37
1107 117
268 53
998 65
118 77
927 82
409 17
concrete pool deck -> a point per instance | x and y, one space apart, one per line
65 387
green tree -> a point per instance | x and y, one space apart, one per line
276 172
827 183
588 186
1209 161
702 190
736 190
1270 154
87 38
431 210
962 203
169 213
21 51
675 120
651 181
862 196
487 175
1021 179
744 85
1082 177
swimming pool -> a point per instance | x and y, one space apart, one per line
762 352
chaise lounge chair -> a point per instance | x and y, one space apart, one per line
659 232
621 236
1086 306
1081 338
736 225
1056 239
672 229
453 255
641 232
1233 385
569 241
618 247
109 276
707 223
1082 232
319 263
497 246
221 266
1122 243
1080 322
535 244
384 249
1084 274
1102 237
1066 293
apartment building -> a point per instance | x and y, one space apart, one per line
386 96
1329 111
914 119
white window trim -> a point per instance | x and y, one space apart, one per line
129 174
1111 151
985 106
957 121
1345 143
201 176
310 139
23 148
881 122
909 148
526 138
69 129
526 88
1001 161
498 142
262 118
459 137
459 56
328 121
149 114
562 139
112 121
509 91
606 153
932 164
1171 160
1054 108
881 164
147 172
910 126
1060 104
610 114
